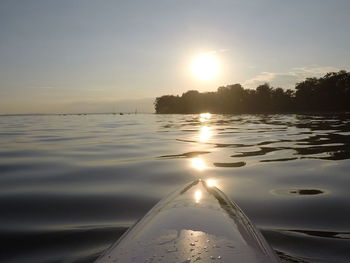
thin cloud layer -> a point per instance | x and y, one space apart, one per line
290 78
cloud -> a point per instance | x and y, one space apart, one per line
290 78
261 78
311 71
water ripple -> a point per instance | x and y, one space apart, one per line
71 185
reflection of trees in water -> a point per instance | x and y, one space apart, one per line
324 137
328 93
329 136
326 140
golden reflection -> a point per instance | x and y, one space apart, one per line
203 117
198 196
198 164
211 182
204 134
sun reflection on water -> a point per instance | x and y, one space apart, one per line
211 183
198 164
198 196
204 117
204 134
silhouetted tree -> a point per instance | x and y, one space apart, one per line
328 93
168 104
306 93
231 98
282 101
190 101
263 98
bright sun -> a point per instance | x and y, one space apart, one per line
205 67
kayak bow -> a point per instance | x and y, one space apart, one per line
197 223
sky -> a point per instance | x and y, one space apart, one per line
102 56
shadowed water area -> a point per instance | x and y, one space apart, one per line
71 185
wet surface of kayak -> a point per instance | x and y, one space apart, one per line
195 224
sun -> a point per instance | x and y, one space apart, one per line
205 67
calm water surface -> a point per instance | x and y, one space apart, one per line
71 185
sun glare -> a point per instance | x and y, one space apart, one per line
204 134
211 182
198 196
198 164
203 117
205 67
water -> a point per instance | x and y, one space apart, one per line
71 185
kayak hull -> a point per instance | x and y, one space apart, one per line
197 223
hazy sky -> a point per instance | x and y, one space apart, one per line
82 55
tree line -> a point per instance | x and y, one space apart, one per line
328 93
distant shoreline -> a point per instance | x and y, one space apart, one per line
70 114
267 113
330 93
151 113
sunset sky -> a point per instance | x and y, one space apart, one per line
103 56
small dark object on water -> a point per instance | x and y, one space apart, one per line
307 192
238 164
